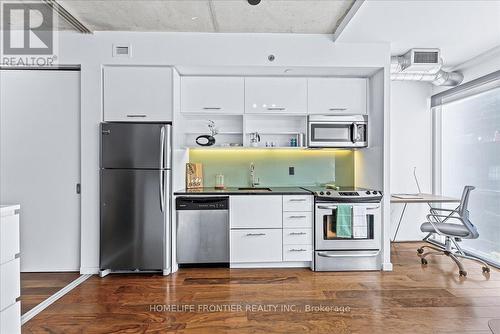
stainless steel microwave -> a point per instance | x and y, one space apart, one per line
337 131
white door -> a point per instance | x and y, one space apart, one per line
137 94
337 95
40 164
212 95
276 95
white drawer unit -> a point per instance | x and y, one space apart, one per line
276 95
256 211
9 283
297 236
10 319
9 238
297 219
213 95
337 95
297 253
137 94
297 203
256 245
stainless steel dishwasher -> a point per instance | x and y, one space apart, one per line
202 230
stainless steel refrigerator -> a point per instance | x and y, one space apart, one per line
135 197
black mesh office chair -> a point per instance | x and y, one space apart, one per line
454 232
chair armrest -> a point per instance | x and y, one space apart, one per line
441 209
446 218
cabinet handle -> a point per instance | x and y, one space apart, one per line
276 108
297 200
136 116
298 233
337 109
212 108
255 234
298 250
297 217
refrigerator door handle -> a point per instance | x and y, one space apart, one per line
168 144
162 147
162 191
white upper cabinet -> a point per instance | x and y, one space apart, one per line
337 95
212 95
137 93
276 95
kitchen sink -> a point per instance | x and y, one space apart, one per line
255 189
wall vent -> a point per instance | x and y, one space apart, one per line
121 50
420 57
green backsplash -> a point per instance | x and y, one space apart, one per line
312 167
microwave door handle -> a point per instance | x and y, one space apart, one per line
354 132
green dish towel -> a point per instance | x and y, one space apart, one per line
344 221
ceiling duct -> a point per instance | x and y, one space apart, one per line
423 65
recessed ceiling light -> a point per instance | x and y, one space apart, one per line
288 70
253 2
194 18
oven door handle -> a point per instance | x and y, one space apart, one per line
371 254
335 207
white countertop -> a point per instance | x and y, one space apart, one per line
8 209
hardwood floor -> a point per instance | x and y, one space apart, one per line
36 287
411 299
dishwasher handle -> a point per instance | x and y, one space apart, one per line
202 203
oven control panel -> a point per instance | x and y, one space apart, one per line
351 195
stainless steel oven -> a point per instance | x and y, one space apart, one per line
340 248
337 131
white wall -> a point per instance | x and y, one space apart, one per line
411 146
184 49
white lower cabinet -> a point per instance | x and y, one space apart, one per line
295 219
297 253
10 277
256 211
10 319
9 238
256 245
9 283
297 236
271 230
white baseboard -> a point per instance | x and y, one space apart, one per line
89 270
49 301
387 266
297 264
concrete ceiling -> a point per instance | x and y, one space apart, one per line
270 16
462 29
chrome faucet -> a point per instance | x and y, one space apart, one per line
254 181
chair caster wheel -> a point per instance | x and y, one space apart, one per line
462 273
486 270
424 261
420 251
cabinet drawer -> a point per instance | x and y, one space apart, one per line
9 283
212 94
10 319
297 253
260 245
250 211
297 203
347 260
297 236
9 238
293 219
